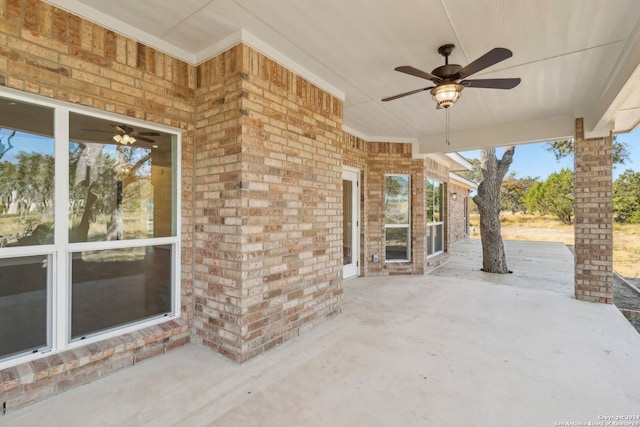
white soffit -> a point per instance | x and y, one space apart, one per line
576 58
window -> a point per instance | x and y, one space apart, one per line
397 214
27 167
24 286
88 227
435 217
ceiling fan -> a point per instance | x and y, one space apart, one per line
448 88
127 135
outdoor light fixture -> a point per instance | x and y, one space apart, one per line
447 94
454 196
124 139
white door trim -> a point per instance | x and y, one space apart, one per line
353 269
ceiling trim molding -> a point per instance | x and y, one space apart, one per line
392 139
453 161
368 138
245 37
282 59
624 75
455 177
355 133
77 8
460 160
217 48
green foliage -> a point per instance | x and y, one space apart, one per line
32 176
512 193
626 197
565 147
534 199
475 174
553 196
396 199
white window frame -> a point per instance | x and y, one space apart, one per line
407 226
59 295
433 224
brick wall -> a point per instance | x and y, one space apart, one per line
269 192
380 158
218 204
48 52
456 228
392 158
262 158
593 218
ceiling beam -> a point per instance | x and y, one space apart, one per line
548 129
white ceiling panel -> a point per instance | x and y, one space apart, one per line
567 53
157 17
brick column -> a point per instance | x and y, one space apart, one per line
593 218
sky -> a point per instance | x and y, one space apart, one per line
529 160
533 160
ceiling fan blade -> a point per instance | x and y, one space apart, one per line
490 58
142 138
407 69
492 83
145 133
391 98
122 128
96 130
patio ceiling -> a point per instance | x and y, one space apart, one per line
576 58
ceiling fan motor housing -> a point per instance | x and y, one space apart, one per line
447 72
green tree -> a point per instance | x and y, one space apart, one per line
554 196
512 192
626 197
535 200
475 174
565 148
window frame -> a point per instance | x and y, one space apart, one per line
431 225
61 251
403 226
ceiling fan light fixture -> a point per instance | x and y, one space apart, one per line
124 139
447 94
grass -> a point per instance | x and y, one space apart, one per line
626 237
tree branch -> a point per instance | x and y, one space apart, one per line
505 162
131 175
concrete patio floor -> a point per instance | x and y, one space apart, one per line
435 350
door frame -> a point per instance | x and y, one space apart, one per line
353 174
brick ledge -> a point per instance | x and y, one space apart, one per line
41 378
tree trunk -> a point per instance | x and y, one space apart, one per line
86 163
494 259
115 227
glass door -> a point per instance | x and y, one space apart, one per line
350 222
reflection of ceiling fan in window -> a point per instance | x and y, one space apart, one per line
126 135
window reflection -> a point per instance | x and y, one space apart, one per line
397 211
396 247
118 190
118 286
23 304
396 198
347 229
26 174
435 217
